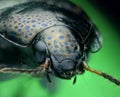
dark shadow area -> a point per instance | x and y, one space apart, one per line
8 52
110 8
12 56
50 87
16 56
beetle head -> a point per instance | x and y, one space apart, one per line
64 50
66 68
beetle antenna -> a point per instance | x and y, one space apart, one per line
106 76
87 34
20 70
35 72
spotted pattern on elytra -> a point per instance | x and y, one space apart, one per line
24 26
60 41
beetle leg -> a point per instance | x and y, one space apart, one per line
46 67
46 64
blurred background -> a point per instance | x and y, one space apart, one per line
109 8
105 14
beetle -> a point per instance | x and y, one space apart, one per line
59 33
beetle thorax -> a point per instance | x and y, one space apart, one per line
60 41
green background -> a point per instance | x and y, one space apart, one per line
88 84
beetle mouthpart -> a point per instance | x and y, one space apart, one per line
69 73
106 76
74 81
67 65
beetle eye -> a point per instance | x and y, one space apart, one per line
40 46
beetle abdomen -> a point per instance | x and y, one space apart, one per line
21 25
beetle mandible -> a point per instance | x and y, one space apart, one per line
60 34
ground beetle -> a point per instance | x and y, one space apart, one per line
59 33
